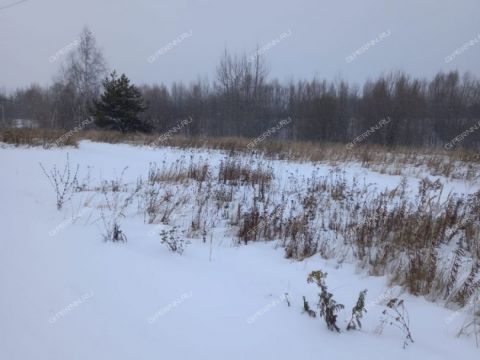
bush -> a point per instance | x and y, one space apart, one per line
328 307
357 312
64 183
397 315
174 243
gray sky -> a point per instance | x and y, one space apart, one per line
321 34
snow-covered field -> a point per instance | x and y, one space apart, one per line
65 293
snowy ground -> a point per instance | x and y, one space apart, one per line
74 296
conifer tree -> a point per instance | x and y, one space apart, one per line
120 105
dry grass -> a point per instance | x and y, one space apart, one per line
458 164
428 242
34 137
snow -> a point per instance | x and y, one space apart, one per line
67 294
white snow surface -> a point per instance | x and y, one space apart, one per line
74 296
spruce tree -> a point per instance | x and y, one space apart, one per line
120 105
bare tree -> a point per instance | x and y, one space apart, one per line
83 72
241 86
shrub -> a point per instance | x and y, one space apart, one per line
397 315
307 310
328 307
64 182
357 312
174 243
114 208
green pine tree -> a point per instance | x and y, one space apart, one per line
120 105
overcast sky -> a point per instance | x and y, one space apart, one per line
320 36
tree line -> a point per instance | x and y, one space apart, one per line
243 101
